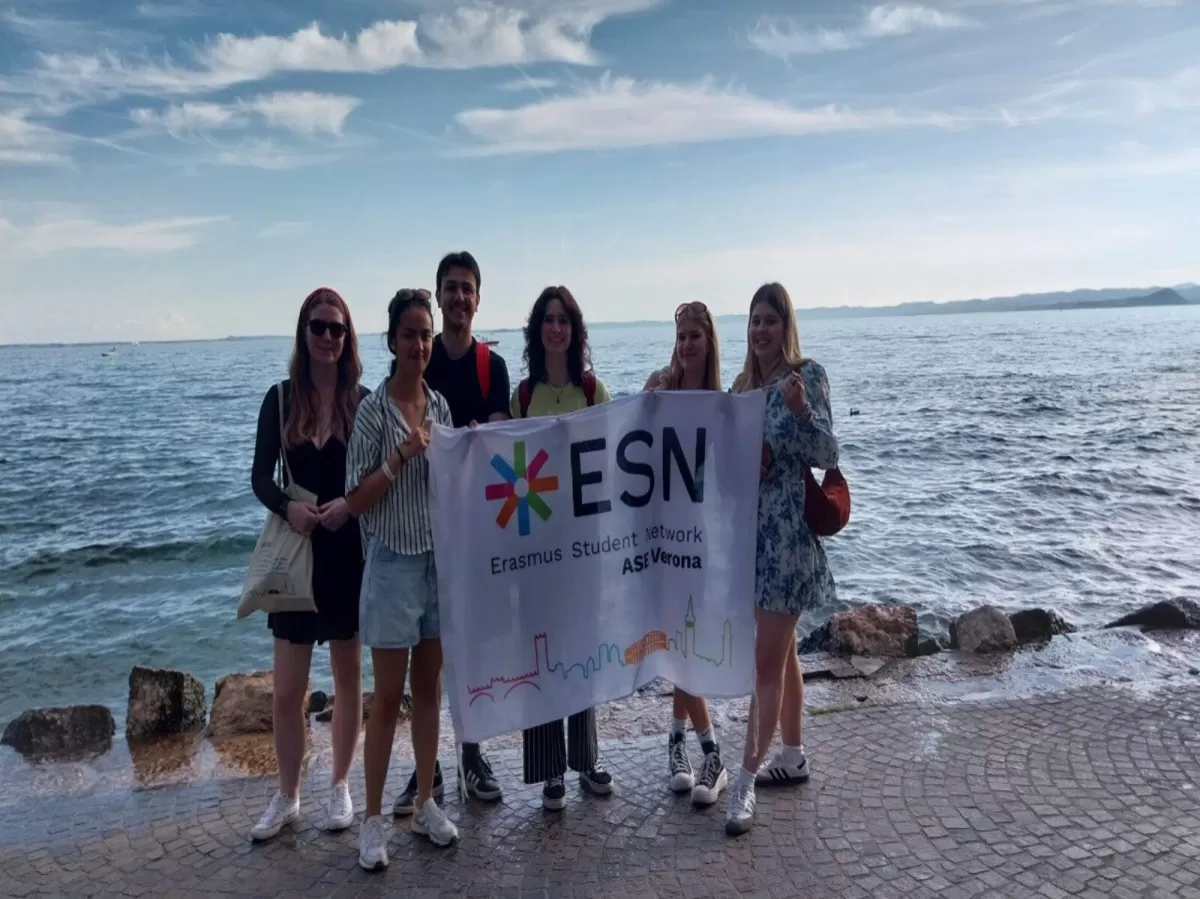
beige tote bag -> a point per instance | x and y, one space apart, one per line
279 578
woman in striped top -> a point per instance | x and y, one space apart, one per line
387 488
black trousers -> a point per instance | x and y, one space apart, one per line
550 748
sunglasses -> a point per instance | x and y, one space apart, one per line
319 326
695 307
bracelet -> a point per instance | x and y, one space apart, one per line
387 470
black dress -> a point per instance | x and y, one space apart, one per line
337 555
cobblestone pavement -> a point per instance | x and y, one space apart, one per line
1091 793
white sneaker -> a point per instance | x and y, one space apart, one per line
782 771
739 815
341 808
372 844
280 813
432 822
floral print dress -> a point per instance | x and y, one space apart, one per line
791 572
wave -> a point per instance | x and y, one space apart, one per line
104 555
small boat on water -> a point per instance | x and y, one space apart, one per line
109 352
486 341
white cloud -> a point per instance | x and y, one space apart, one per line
528 84
790 38
184 9
1172 94
1106 99
621 113
268 154
895 19
190 117
303 112
63 232
476 35
23 142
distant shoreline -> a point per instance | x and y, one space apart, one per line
1063 301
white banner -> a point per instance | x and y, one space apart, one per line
580 557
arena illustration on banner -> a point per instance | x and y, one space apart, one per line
580 557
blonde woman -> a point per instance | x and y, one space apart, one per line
695 365
791 571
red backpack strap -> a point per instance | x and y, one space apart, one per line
524 396
483 367
588 383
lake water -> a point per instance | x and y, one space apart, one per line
1019 459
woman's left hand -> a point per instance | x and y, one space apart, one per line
795 397
334 514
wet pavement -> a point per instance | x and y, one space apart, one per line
1086 792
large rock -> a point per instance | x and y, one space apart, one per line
985 629
1171 614
244 704
163 702
76 728
1038 625
889 631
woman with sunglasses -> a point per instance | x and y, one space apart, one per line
387 478
319 401
695 365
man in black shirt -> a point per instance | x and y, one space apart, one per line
474 381
472 378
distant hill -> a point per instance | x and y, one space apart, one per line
1105 298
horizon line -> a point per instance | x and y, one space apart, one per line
880 311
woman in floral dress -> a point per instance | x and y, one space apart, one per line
791 571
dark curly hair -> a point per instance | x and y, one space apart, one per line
579 357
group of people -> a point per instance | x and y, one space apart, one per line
363 453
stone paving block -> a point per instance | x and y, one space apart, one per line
1088 793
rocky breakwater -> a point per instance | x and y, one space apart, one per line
245 704
879 653
68 731
892 632
164 702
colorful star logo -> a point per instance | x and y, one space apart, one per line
521 488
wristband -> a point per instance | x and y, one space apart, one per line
387 470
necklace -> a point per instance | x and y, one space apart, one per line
557 391
776 369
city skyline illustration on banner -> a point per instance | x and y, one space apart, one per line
651 642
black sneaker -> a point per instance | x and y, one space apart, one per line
554 794
596 781
680 766
779 773
713 779
406 802
475 774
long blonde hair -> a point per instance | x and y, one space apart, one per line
672 377
776 296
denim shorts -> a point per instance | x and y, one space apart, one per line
398 605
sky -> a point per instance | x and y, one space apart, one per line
177 169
